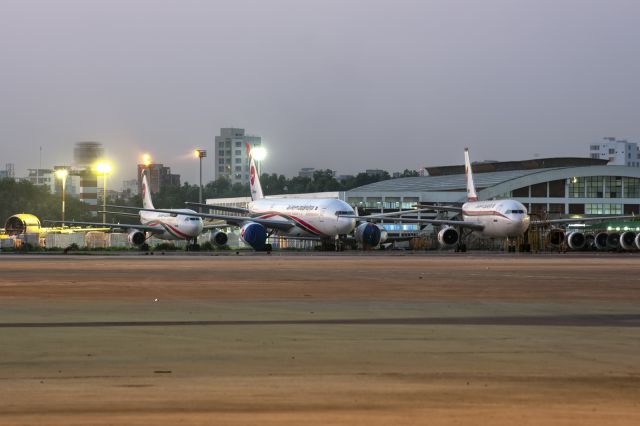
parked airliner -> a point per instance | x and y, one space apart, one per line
322 219
486 219
174 224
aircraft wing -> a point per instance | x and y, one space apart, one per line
580 220
145 228
428 207
457 223
120 213
219 207
214 226
232 220
400 213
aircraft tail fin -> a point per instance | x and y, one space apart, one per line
471 188
254 179
146 192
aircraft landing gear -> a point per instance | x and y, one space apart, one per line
268 248
193 247
461 247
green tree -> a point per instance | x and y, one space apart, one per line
24 197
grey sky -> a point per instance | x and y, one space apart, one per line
343 84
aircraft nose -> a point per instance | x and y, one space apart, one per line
345 225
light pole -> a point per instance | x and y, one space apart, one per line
104 168
200 153
62 175
259 153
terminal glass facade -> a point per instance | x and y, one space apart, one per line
597 208
631 187
576 187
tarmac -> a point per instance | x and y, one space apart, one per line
320 339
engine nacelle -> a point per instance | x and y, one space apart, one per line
136 237
613 241
576 240
601 241
627 240
554 237
218 238
448 237
368 234
383 236
255 235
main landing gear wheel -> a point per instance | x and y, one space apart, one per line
461 248
268 248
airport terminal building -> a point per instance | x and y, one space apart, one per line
551 186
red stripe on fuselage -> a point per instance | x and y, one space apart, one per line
483 213
301 223
180 234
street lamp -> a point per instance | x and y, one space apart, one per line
62 175
200 153
259 153
104 168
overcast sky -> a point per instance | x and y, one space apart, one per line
344 84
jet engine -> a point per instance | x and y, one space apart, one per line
448 237
601 241
383 236
368 234
218 238
554 237
627 240
576 240
637 241
136 237
255 235
613 241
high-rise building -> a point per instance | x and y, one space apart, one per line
8 172
159 176
231 159
129 187
619 152
41 177
85 155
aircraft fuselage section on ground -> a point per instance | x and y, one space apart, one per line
173 226
499 218
312 217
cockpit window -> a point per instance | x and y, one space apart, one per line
515 211
193 218
343 213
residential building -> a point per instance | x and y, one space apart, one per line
130 188
231 160
619 152
159 175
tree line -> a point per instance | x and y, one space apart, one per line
25 197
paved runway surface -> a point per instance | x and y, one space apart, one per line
375 340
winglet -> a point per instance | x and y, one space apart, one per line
471 188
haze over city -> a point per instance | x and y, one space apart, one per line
346 85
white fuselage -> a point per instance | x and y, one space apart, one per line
501 218
177 226
312 217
